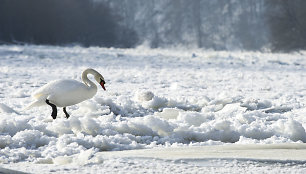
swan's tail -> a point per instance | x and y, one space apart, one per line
34 104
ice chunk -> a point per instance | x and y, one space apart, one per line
61 160
149 101
84 157
291 129
156 103
194 118
5 140
255 104
30 139
144 95
169 113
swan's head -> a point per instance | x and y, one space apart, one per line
100 79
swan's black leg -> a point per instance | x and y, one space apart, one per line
67 115
54 109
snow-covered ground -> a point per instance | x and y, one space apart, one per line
155 99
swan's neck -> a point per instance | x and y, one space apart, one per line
91 85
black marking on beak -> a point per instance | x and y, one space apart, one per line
102 82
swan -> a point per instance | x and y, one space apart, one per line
63 93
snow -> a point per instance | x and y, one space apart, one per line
155 100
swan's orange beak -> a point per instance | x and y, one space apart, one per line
102 84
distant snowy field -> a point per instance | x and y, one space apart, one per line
154 99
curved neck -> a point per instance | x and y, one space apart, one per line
85 79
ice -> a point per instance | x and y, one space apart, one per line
145 96
154 99
291 129
6 109
169 113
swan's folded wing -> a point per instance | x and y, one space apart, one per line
61 93
49 88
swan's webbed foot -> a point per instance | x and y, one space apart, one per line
54 109
66 113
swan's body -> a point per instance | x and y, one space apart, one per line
63 93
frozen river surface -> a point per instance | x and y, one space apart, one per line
155 100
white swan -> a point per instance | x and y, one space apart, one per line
63 93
